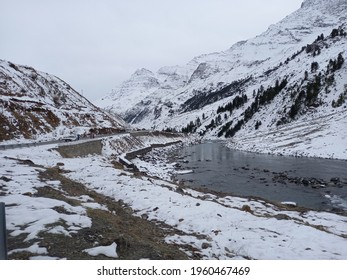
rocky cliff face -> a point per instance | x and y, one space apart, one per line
36 105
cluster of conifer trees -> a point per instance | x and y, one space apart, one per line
305 95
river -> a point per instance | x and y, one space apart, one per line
319 184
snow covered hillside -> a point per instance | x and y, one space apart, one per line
60 207
292 74
35 105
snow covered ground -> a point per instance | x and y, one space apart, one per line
215 227
323 136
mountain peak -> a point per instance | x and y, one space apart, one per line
315 3
142 72
332 7
234 91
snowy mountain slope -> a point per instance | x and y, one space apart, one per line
34 104
299 51
321 137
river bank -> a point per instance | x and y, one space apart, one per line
201 225
315 183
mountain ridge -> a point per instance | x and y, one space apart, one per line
35 104
301 51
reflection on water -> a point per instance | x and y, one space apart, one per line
248 174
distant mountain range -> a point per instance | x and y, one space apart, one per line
284 91
37 105
293 72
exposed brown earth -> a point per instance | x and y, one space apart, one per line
136 238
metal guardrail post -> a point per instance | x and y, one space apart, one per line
3 240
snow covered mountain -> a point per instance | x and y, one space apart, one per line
37 105
293 72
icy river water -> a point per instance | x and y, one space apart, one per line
320 184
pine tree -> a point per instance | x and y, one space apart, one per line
340 61
257 124
334 33
306 75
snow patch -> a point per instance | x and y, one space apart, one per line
108 251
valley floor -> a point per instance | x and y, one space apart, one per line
92 208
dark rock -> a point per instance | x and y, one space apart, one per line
282 217
28 194
27 162
180 190
246 208
321 181
6 179
205 245
144 216
335 180
305 182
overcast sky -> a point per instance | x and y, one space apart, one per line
94 45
